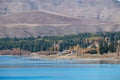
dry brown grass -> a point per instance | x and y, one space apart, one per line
85 56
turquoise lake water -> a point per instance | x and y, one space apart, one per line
21 68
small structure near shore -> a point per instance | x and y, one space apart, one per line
34 56
73 52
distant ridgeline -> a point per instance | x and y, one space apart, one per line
103 42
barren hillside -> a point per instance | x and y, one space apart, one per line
107 10
37 23
25 18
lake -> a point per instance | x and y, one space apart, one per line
22 68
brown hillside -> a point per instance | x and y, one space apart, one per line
37 23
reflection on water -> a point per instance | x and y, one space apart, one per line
22 68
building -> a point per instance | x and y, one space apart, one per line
73 52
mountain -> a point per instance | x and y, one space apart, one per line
107 10
37 23
26 18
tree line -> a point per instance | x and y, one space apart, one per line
47 43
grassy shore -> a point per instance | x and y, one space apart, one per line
110 56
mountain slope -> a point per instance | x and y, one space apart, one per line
26 18
107 10
42 23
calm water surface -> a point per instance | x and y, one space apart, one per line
21 68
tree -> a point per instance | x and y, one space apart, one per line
112 47
103 48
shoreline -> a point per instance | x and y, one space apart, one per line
35 56
69 60
65 57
